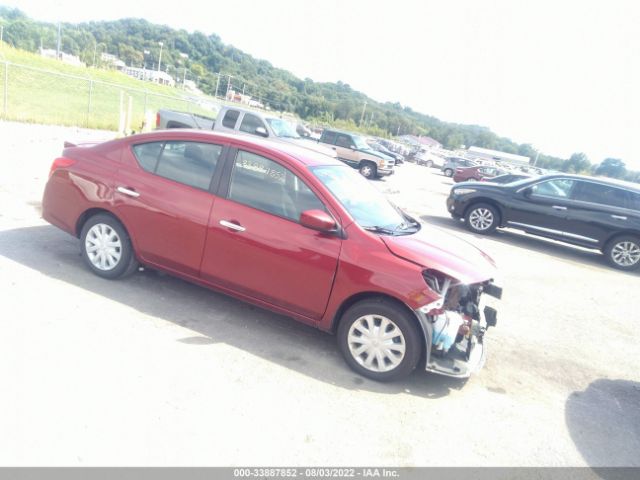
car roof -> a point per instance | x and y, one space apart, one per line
602 180
303 155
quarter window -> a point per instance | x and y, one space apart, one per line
250 123
557 188
266 185
230 118
191 163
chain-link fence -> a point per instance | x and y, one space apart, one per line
31 94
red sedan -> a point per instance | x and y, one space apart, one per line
283 228
477 173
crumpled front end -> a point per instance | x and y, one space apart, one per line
456 324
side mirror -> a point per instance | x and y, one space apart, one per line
317 220
527 192
262 132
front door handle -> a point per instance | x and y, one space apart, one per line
619 217
128 191
232 226
559 207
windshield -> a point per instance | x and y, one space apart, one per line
368 206
282 128
361 143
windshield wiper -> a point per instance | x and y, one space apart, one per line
379 229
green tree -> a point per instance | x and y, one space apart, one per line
612 167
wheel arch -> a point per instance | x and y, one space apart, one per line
358 297
87 214
619 233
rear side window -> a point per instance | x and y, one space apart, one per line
266 185
230 118
190 163
634 201
250 123
329 137
601 194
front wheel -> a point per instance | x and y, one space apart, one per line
379 340
448 172
429 163
623 252
106 248
368 170
481 218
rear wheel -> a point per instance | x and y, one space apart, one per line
623 252
429 163
448 172
482 218
106 248
368 170
379 340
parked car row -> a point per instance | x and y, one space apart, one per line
285 228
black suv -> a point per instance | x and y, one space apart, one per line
591 212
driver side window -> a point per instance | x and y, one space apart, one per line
250 123
556 188
344 141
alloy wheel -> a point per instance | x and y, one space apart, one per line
626 253
481 218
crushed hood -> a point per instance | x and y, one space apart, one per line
449 254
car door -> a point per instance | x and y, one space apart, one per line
542 207
256 246
164 198
346 151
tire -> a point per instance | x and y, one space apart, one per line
623 252
368 170
429 164
117 260
448 172
482 218
381 363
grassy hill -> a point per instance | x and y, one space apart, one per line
45 90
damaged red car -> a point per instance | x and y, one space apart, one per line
286 229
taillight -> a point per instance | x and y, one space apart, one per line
60 162
158 120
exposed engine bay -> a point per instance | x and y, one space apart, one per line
459 324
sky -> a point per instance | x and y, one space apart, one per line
563 75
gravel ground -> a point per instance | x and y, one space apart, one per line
154 371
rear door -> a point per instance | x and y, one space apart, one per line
599 210
256 245
163 196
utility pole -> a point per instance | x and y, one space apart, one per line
536 160
184 77
364 107
217 85
160 57
58 43
228 85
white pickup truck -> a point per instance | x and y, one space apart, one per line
241 121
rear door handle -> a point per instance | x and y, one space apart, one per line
558 207
232 226
619 217
128 191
